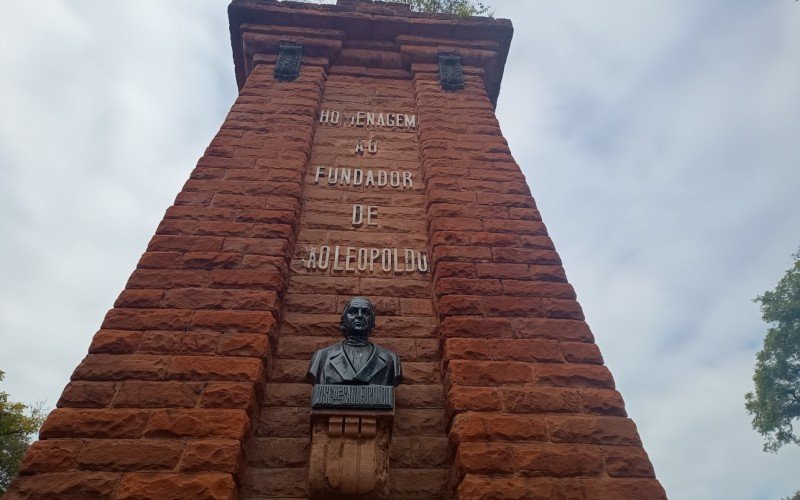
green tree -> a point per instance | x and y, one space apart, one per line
16 430
462 8
775 402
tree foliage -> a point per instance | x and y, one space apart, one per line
775 402
462 8
16 430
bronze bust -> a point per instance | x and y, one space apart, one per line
355 360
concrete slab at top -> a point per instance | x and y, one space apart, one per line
359 21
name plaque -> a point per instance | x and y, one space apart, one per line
354 397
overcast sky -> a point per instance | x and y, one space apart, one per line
660 138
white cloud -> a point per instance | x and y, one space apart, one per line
661 145
106 107
660 140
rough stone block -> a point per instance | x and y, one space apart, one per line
473 398
228 395
623 489
51 455
207 368
485 458
627 461
276 482
140 486
198 423
212 455
593 429
476 327
580 352
279 451
130 454
573 375
547 351
557 460
475 426
519 488
138 394
602 402
68 485
121 367
103 424
115 342
87 394
285 422
418 484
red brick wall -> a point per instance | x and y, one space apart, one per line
315 298
533 411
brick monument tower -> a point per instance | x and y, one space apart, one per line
362 157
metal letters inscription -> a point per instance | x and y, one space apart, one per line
368 119
450 72
353 397
365 369
288 66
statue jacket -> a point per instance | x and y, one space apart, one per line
331 366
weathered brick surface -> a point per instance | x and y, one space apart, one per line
418 483
68 484
198 423
140 394
130 454
527 394
94 423
279 451
51 455
474 426
406 321
204 455
276 482
87 394
147 485
544 488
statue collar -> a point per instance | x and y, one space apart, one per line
376 362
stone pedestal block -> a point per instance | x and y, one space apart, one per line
349 455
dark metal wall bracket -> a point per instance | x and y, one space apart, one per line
450 73
288 66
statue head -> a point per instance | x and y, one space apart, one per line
358 318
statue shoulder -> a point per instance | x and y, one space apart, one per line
389 355
319 359
331 349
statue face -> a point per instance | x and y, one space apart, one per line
358 318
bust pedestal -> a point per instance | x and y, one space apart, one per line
352 411
350 454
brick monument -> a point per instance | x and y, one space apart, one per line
362 157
